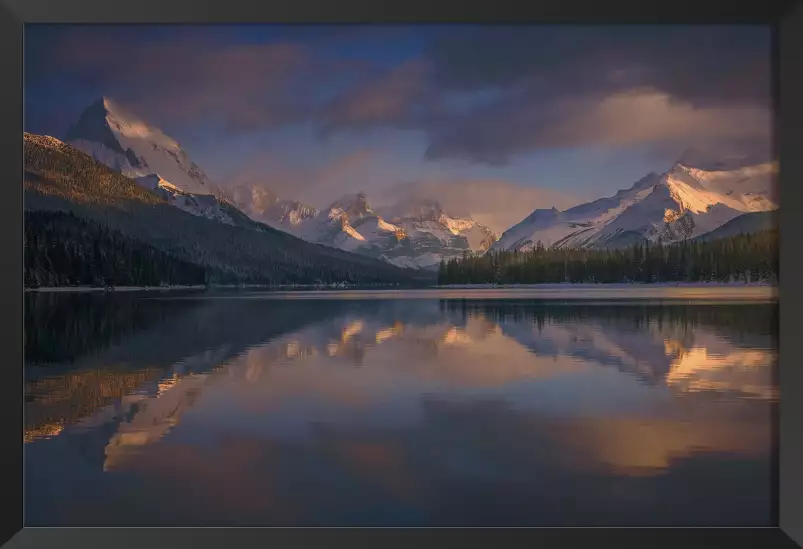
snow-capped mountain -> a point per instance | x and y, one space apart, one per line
204 205
436 233
696 196
114 136
59 177
408 234
123 141
351 224
126 143
264 205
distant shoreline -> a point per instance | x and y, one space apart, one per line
600 285
341 287
84 289
112 289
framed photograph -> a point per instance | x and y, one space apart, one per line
317 273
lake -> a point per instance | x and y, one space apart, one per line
554 406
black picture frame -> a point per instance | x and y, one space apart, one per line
786 16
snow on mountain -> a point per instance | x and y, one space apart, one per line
684 202
410 234
427 216
752 186
263 205
128 144
202 205
436 233
351 224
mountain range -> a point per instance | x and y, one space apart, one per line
699 195
60 178
407 235
410 233
696 196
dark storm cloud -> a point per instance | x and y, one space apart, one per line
577 86
401 97
188 76
622 119
482 94
700 64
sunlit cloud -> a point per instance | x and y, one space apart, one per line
497 204
267 178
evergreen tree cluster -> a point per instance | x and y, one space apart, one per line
744 257
63 250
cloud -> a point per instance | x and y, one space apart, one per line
389 98
483 94
693 63
498 204
316 185
624 119
548 87
192 77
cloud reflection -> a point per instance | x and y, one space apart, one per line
381 412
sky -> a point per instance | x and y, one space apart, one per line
493 121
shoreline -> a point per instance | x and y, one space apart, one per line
343 287
603 285
86 289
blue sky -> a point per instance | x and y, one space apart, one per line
531 116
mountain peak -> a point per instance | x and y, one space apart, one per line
105 102
538 213
697 194
128 144
104 107
352 204
93 126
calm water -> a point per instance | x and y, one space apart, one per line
459 407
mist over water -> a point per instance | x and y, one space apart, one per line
486 409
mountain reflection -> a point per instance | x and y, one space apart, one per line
403 398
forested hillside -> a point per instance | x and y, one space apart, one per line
63 250
61 178
745 257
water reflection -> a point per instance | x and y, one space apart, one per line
440 412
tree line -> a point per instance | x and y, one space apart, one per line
745 257
64 250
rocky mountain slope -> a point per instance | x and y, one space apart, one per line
695 197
